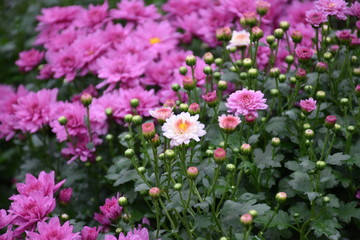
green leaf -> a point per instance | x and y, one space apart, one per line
337 159
327 228
277 126
253 138
301 182
141 187
126 176
264 159
348 211
281 219
202 222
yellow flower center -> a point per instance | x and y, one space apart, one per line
183 126
154 40
241 37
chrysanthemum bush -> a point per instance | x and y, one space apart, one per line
128 135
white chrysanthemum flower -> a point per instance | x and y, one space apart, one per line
239 38
161 113
182 128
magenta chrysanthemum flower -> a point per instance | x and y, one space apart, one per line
29 59
5 218
336 8
184 7
304 53
58 18
239 7
81 150
246 101
53 230
228 122
135 10
308 105
316 17
33 110
88 233
111 210
355 9
140 233
94 17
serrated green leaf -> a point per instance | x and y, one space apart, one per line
337 159
126 176
348 211
301 182
141 187
327 228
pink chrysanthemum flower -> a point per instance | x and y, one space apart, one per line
355 9
135 10
139 233
162 113
33 110
246 101
315 17
94 17
336 8
88 233
5 218
57 18
308 105
80 150
29 59
304 53
228 122
53 230
239 38
238 7
184 7
182 128
111 210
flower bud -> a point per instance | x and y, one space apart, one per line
250 118
98 159
86 99
137 120
281 197
327 56
222 85
320 95
109 137
320 165
253 213
247 62
230 167
129 153
177 186
223 34
306 126
188 83
279 33
293 80
350 128
128 118
64 217
296 36
123 201
282 78
275 142
233 69
257 33
134 103
219 155
246 219
211 98
284 25
239 63
190 60
224 238
209 152
192 172
354 60
65 196
218 62
326 199
232 49
62 120
208 58
289 59
207 70
148 130
183 107
126 217
194 109
330 121
141 169
183 70
217 75
274 92
308 89
321 67
175 87
296 215
337 127
270 39
245 149
108 112
309 133
308 142
344 102
128 137
253 73
250 19
274 72
243 76
170 154
262 7
301 74
356 72
154 192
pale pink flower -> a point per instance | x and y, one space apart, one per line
161 113
135 10
336 8
239 38
228 122
53 230
308 105
182 128
29 59
246 101
33 109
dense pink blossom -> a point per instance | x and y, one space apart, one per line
29 59
33 109
116 33
304 53
184 7
315 17
111 210
355 9
308 105
135 234
135 10
296 12
246 101
94 17
53 230
238 7
336 8
5 218
344 34
88 233
65 195
62 39
58 18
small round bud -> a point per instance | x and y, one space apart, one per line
224 238
207 70
183 107
62 120
86 99
327 56
284 25
183 70
222 85
190 60
308 142
233 69
162 156
209 152
309 133
219 155
279 33
154 192
330 121
126 217
308 89
321 67
98 159
128 118
170 154
129 153
250 19
356 72
320 95
274 92
262 7
230 167
247 62
123 201
218 62
282 78
239 63
270 39
137 120
281 197
222 144
296 215
127 137
320 165
141 169
326 199
246 219
245 149
148 130
296 36
274 72
275 142
118 230
293 80
350 128
250 118
194 109
289 59
344 101
109 137
134 103
243 76
236 150
64 217
177 186
257 33
253 73
208 58
109 112
253 213
217 75
175 87
337 127
232 49
306 126
301 74
188 83
192 172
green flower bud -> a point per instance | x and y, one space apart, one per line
208 58
243 76
274 72
253 73
270 39
279 33
326 199
183 70
177 186
129 153
141 169
320 95
217 75
282 78
62 120
274 92
175 87
230 167
137 120
351 129
109 137
337 127
218 62
170 154
306 126
247 62
293 80
183 107
128 118
207 70
134 103
320 165
190 60
327 56
86 99
245 149
123 201
275 142
309 133
108 112
253 213
284 25
222 85
281 197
